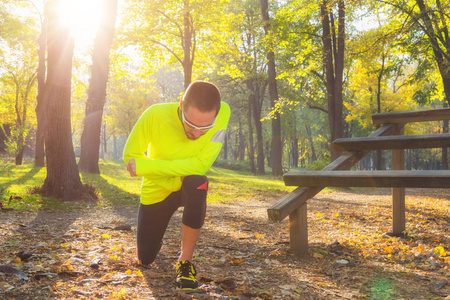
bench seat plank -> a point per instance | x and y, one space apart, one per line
412 179
424 115
441 140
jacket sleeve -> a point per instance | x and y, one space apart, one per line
139 138
197 165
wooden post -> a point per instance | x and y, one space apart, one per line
398 194
298 230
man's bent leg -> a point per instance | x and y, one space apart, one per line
152 224
194 190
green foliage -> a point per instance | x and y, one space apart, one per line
157 30
16 139
381 71
425 95
298 35
18 63
129 97
321 162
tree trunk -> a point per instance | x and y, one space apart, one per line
445 150
256 99
251 150
259 134
241 148
445 75
276 156
105 139
19 125
313 150
21 141
294 151
440 55
277 150
23 125
90 138
225 146
237 143
333 56
187 59
380 164
115 156
39 157
294 143
63 180
408 159
268 153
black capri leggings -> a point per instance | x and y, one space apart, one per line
154 218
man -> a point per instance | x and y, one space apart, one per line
182 141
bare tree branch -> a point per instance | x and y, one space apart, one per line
172 20
167 48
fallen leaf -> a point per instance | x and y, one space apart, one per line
318 255
388 250
440 250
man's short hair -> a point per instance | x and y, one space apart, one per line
203 95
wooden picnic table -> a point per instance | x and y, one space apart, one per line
389 136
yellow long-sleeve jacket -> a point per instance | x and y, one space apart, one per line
171 155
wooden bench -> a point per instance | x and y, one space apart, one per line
388 137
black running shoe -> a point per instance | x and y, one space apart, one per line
186 275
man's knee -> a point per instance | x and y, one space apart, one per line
194 200
146 259
195 182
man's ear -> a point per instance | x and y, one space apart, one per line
181 104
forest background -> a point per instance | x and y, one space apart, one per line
297 74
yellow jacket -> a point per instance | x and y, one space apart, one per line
171 155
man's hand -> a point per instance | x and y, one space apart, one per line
131 167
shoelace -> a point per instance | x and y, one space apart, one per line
185 270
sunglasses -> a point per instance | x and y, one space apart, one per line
201 128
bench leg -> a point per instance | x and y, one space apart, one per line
398 194
298 230
398 211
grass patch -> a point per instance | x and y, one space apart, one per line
114 186
229 185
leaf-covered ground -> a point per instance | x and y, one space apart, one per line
90 253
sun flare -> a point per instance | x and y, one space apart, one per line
83 18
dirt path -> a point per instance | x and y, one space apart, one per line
241 255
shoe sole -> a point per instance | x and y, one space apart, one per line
187 288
